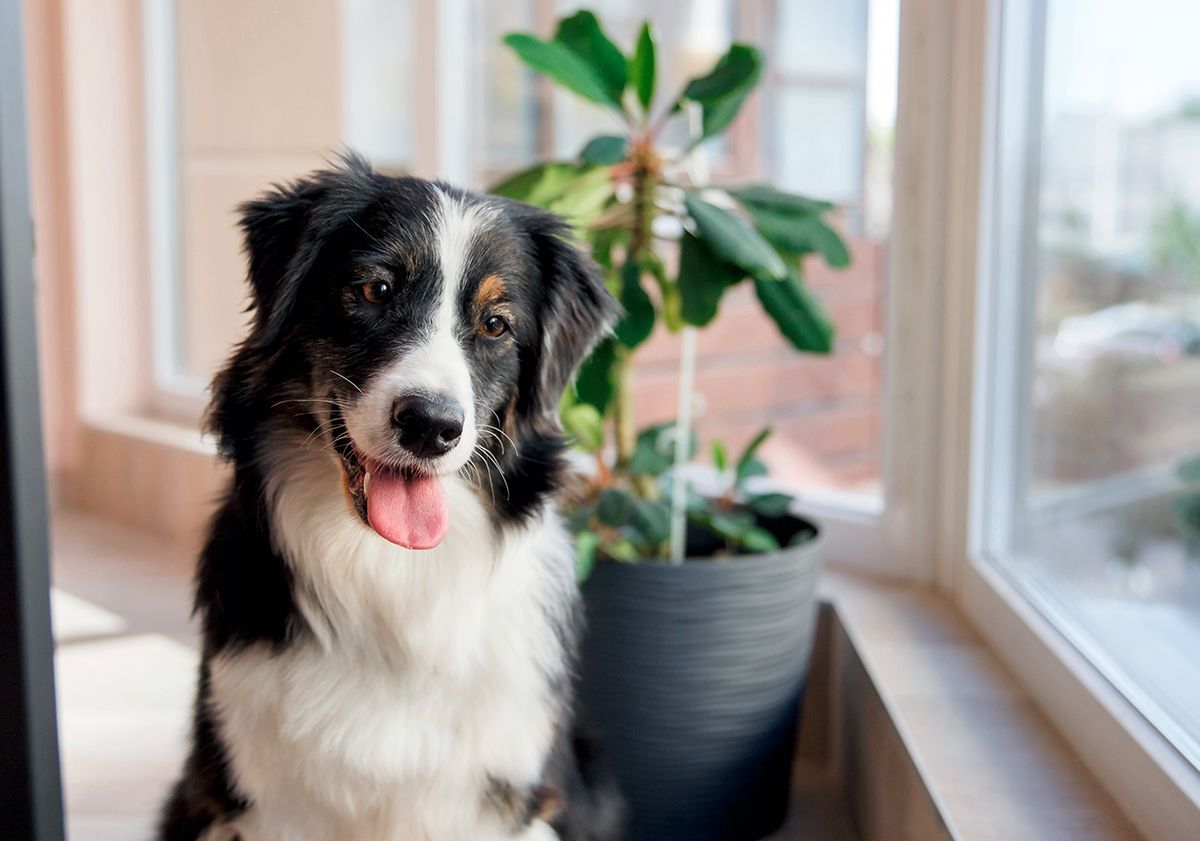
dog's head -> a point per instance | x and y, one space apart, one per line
415 330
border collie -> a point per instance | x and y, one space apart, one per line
387 592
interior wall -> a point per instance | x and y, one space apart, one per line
45 91
260 102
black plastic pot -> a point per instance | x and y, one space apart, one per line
691 677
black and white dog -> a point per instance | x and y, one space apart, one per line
387 592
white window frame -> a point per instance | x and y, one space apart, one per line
171 394
1158 788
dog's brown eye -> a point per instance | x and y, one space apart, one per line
494 327
377 291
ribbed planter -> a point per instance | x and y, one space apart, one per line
691 677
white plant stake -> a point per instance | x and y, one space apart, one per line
698 163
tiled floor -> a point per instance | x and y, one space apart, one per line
125 667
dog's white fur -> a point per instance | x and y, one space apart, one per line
426 672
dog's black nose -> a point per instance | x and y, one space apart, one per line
428 426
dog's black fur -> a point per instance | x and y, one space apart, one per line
308 244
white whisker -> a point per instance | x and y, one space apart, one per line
347 379
490 456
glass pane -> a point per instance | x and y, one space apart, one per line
1111 507
377 96
827 120
827 162
509 110
266 91
819 38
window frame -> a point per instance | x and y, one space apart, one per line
1155 784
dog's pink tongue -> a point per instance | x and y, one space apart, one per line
408 510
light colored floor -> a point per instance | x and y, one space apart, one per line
126 669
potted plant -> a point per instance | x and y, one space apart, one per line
700 601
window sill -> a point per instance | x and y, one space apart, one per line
147 474
926 736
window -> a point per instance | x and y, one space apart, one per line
265 91
241 95
1094 465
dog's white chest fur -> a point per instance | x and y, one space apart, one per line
428 674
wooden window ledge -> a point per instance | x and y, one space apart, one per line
912 730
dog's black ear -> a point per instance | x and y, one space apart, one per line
279 253
576 310
284 231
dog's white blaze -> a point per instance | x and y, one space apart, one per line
438 364
429 671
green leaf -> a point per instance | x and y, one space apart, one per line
641 67
594 383
761 195
802 235
562 64
807 534
544 184
729 75
582 35
703 279
753 467
638 323
579 517
537 182
759 540
731 525
623 550
603 241
770 504
800 317
654 451
652 518
583 197
722 92
585 554
669 304
751 450
830 245
585 426
734 240
614 507
605 150
1187 523
1189 470
720 461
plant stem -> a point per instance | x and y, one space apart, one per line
645 166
